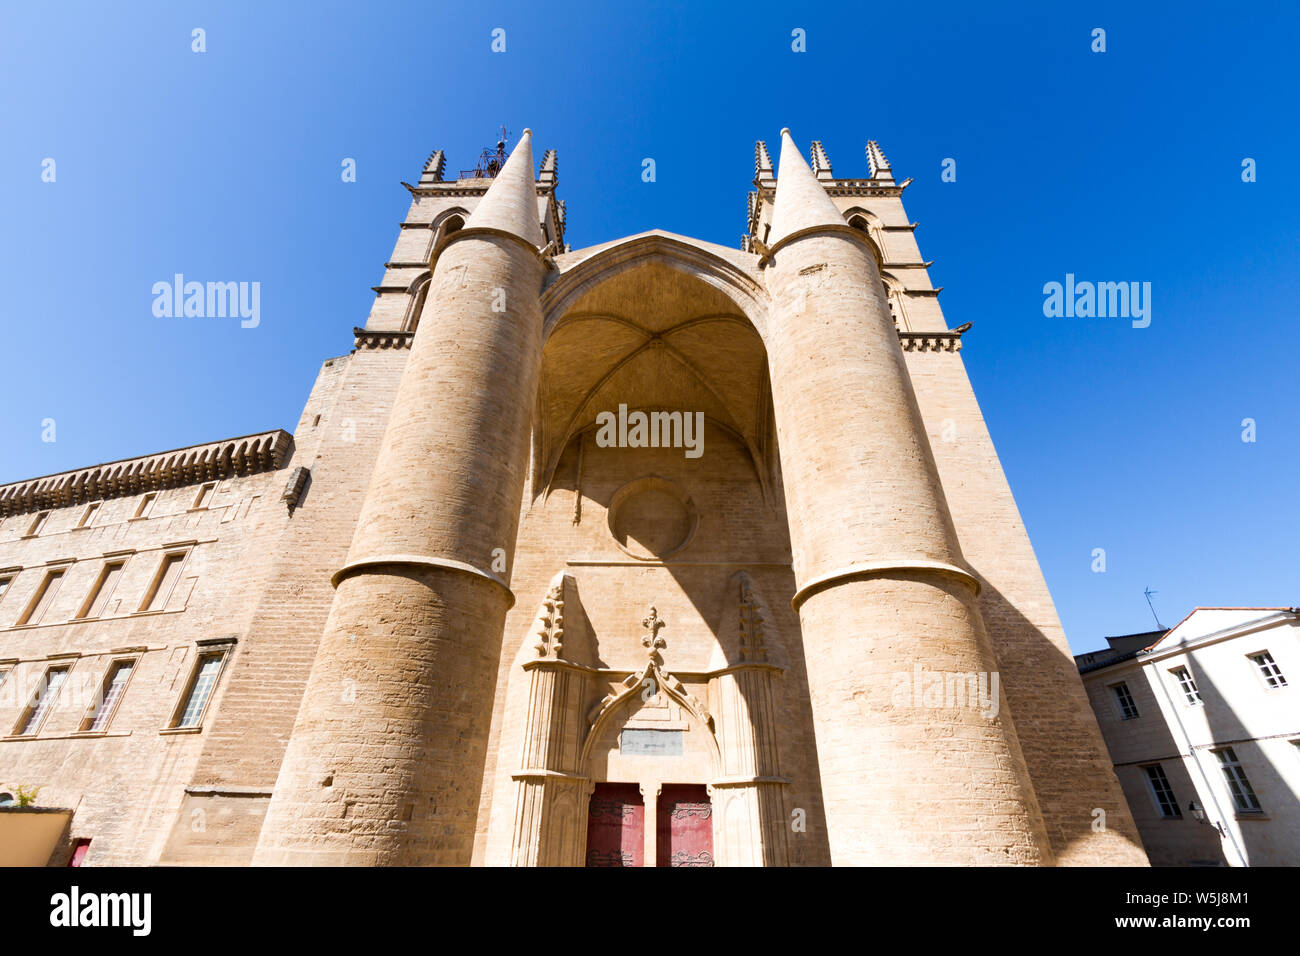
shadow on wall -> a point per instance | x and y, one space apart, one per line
1263 839
1068 808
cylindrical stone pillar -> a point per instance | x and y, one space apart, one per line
886 603
386 760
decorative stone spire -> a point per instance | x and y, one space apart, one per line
876 160
433 169
763 165
550 174
510 204
801 201
821 163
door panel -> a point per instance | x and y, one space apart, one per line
616 826
685 826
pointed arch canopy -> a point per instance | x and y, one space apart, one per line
727 270
659 322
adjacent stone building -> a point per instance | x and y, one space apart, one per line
1203 726
654 552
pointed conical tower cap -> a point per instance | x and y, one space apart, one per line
510 203
801 201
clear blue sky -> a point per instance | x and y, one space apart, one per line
1117 166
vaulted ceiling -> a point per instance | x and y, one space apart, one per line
652 337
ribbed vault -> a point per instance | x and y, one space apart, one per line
652 338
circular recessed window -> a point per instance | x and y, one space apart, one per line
652 518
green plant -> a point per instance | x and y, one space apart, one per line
26 795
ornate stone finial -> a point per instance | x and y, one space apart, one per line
877 162
763 164
550 174
652 641
549 624
821 163
433 168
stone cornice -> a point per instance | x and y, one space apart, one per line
865 187
840 187
449 189
366 339
930 341
265 451
910 341
456 189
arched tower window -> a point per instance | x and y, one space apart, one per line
894 296
421 290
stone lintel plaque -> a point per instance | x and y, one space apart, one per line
651 743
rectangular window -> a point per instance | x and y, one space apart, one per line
146 505
205 495
1127 709
44 597
37 523
169 571
42 702
1243 796
110 693
1163 793
102 591
202 683
88 516
1185 681
1268 669
4 586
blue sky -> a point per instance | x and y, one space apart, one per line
1123 165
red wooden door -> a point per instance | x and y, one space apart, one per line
616 826
685 827
79 850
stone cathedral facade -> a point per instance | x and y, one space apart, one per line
649 553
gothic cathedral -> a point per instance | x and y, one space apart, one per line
651 553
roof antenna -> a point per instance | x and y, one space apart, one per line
1148 592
